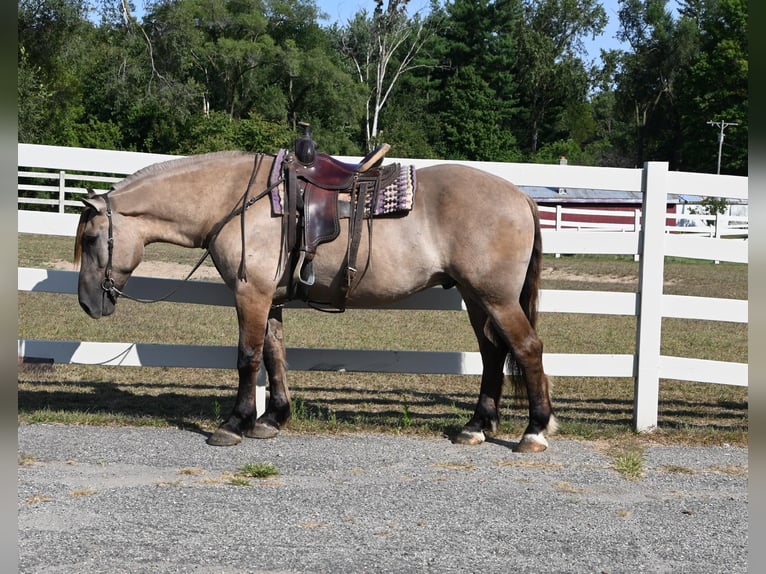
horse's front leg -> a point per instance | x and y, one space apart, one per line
252 313
278 409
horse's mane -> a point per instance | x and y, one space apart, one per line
179 163
84 217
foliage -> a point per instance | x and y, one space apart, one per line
681 73
500 80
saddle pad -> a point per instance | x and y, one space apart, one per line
277 191
397 197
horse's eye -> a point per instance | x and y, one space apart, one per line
89 239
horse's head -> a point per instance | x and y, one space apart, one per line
107 252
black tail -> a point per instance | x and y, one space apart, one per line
528 300
531 289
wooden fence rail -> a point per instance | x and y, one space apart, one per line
650 244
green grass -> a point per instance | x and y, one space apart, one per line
330 402
628 458
258 470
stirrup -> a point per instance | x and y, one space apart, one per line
304 271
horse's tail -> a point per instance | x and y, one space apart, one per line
531 290
528 300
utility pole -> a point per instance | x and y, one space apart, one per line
723 125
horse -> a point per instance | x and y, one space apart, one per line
467 229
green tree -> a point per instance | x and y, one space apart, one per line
650 75
552 79
54 55
382 49
715 86
475 100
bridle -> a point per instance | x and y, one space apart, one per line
107 285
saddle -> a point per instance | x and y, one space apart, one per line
320 190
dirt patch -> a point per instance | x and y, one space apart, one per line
564 275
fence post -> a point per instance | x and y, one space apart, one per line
559 222
62 190
636 228
650 280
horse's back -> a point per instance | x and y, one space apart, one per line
474 201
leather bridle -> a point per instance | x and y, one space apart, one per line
107 284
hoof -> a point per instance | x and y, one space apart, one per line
223 437
531 443
469 437
262 430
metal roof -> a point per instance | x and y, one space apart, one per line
583 195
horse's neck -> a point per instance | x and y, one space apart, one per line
183 211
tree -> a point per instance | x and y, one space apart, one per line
680 74
475 100
53 58
715 86
649 77
383 48
550 75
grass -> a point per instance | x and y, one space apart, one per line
258 470
341 402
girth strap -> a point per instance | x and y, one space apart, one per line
359 194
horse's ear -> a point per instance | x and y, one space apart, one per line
89 203
93 201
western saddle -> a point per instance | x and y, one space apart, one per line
315 192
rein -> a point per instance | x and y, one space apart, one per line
108 285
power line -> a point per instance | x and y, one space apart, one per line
723 125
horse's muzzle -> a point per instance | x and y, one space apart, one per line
97 307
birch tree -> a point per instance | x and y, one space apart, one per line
382 48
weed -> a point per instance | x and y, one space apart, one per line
37 498
191 471
406 420
628 458
676 469
26 459
299 408
564 486
258 470
83 492
237 480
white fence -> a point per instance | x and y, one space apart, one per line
650 245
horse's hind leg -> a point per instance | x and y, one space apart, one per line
494 351
527 353
278 409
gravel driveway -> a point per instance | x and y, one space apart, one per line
125 500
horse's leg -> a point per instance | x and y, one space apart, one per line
252 313
527 353
278 409
493 353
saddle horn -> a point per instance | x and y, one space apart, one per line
305 148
